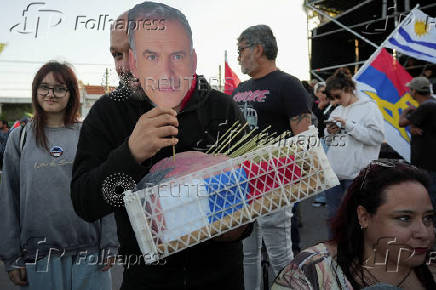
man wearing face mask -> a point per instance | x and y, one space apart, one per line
121 140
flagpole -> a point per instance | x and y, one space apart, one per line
225 61
377 51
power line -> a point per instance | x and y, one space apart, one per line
34 72
42 62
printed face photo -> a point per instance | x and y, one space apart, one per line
165 63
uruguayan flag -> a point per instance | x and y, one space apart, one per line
416 37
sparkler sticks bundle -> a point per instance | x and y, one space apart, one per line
261 174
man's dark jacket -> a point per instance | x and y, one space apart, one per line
103 152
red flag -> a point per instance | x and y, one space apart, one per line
231 80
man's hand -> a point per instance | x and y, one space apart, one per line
408 109
415 130
152 132
403 121
300 123
108 263
18 276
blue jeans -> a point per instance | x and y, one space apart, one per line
69 272
275 229
334 197
321 196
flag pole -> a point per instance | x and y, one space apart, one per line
225 61
377 51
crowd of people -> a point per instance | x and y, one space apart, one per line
60 210
5 130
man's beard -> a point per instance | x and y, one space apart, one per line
249 66
127 79
129 87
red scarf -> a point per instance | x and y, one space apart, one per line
188 95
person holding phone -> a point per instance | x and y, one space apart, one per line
354 133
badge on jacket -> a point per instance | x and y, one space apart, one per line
56 151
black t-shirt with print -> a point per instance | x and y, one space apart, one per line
272 100
423 146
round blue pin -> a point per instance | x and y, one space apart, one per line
56 151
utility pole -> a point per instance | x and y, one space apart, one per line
107 81
356 52
219 73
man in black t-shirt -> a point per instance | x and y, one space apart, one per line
422 122
270 98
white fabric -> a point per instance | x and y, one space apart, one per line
359 143
185 207
422 32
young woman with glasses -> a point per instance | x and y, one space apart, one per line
354 134
383 236
44 244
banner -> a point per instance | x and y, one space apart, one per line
231 80
384 80
416 37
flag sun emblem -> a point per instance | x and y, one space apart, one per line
420 28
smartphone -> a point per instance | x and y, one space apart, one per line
332 123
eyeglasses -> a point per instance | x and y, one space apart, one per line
336 96
375 164
58 91
241 49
